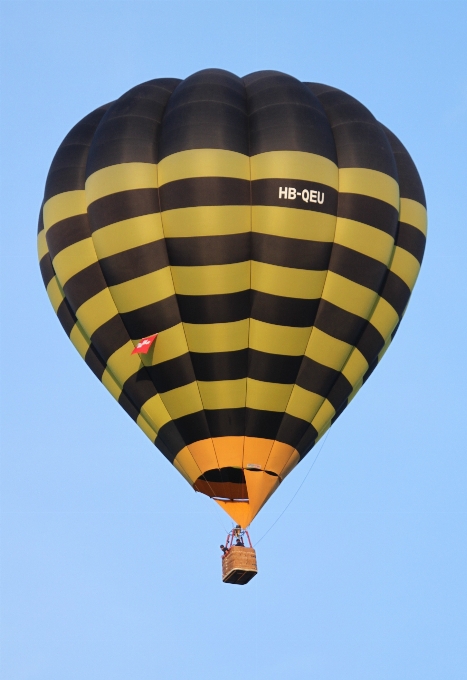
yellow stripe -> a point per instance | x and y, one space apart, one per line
186 465
42 248
170 344
364 239
62 206
209 220
369 183
111 384
73 259
356 388
324 415
96 311
287 282
355 368
79 340
127 234
182 400
223 393
147 429
293 223
142 291
121 177
384 318
327 350
217 337
266 396
294 165
204 163
348 295
406 266
212 279
123 364
385 348
413 213
304 404
55 293
155 412
288 340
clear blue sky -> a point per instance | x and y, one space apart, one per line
110 563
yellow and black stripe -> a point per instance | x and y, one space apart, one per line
271 232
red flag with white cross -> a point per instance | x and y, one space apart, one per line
144 344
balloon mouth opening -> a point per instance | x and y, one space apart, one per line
227 484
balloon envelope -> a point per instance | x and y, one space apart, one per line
269 231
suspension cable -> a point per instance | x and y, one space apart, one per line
303 482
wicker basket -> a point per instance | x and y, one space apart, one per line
239 565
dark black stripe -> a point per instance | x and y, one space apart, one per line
47 270
361 145
283 311
275 127
357 267
266 192
396 292
122 205
139 388
185 430
395 330
168 451
67 171
276 368
339 392
130 130
262 424
135 262
128 406
172 373
207 250
63 180
152 318
370 343
40 222
202 191
307 441
214 308
66 316
84 285
360 141
292 429
370 369
340 324
409 179
232 422
220 365
67 232
339 410
411 239
169 440
207 110
290 252
368 210
233 366
109 337
95 362
285 115
315 377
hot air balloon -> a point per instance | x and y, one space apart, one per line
269 232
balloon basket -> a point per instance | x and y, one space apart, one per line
238 561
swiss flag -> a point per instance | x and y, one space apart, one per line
144 344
